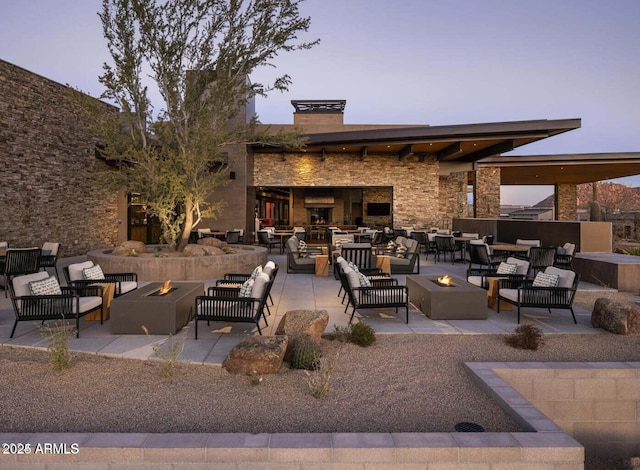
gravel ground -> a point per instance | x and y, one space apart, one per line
402 383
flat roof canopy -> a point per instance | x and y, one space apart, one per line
463 143
563 169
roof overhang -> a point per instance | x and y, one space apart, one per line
464 143
563 168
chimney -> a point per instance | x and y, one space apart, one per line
318 112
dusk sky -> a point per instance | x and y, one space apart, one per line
434 62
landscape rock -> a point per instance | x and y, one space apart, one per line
128 248
194 250
616 317
212 241
297 323
632 464
257 355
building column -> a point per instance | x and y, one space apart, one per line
486 193
566 202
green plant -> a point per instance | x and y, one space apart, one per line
228 250
632 250
306 354
58 335
321 379
168 356
362 334
525 336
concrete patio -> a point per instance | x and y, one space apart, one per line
293 292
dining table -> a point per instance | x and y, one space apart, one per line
282 235
509 248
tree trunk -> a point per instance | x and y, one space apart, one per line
186 229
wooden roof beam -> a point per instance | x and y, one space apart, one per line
501 147
405 151
450 152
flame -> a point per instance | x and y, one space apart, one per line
165 288
445 280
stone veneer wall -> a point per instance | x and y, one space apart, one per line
566 201
376 195
600 408
486 192
452 199
415 184
48 169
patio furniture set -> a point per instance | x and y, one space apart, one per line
540 279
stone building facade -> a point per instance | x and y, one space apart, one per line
50 176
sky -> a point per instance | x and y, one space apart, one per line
435 62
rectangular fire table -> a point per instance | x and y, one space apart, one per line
461 301
161 314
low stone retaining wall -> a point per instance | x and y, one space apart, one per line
151 268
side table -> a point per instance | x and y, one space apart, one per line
492 295
322 265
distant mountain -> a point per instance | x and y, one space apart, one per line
611 196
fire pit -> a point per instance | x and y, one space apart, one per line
447 298
162 313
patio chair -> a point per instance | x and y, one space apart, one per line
540 258
421 238
409 262
383 293
49 256
478 276
564 256
480 254
446 244
232 237
18 261
265 240
360 255
226 304
270 268
298 262
87 273
39 297
543 293
529 243
399 232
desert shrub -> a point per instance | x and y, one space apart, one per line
525 336
362 334
58 335
306 354
633 250
321 379
168 351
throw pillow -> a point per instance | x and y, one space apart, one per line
93 273
354 267
246 287
546 280
302 249
391 246
48 286
506 268
255 272
401 251
364 280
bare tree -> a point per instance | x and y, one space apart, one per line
200 54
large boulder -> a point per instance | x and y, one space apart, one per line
212 241
616 317
201 250
257 355
297 323
129 248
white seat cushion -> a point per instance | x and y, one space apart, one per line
511 294
565 276
75 270
126 286
523 265
475 280
21 283
87 303
259 284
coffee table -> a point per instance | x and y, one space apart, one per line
461 301
160 314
